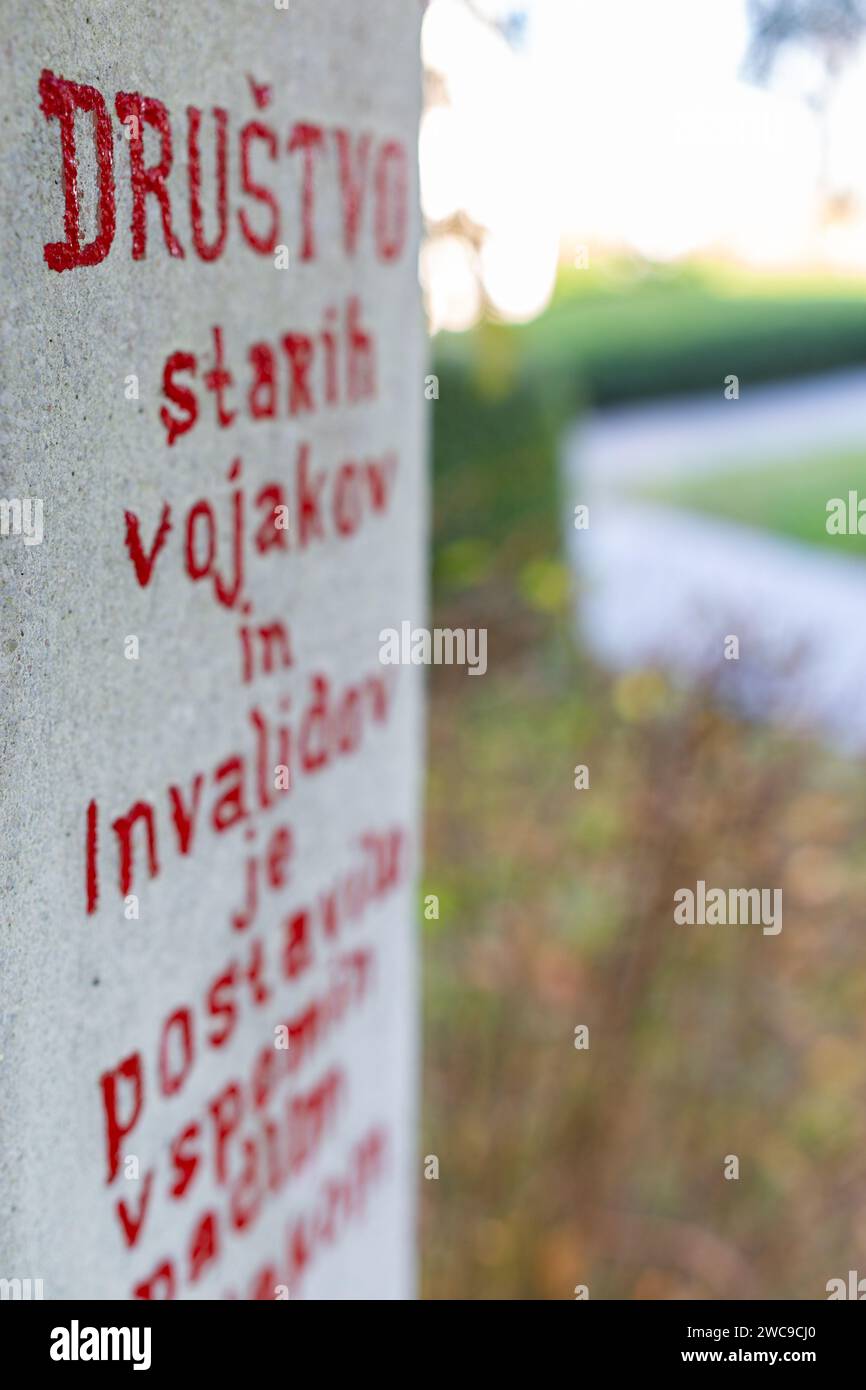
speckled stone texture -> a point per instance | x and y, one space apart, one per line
237 1166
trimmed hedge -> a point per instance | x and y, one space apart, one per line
626 335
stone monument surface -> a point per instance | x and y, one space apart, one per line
213 499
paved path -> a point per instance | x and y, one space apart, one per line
665 438
662 586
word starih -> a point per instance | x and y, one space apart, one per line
732 906
444 646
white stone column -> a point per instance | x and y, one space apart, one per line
213 465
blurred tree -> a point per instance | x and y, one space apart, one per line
832 26
828 30
512 24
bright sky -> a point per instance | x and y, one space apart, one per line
626 122
665 146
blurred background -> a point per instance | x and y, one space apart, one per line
645 273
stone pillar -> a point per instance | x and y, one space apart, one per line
213 499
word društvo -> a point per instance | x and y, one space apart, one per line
732 906
368 174
76 1343
443 647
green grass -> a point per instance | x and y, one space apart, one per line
790 499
